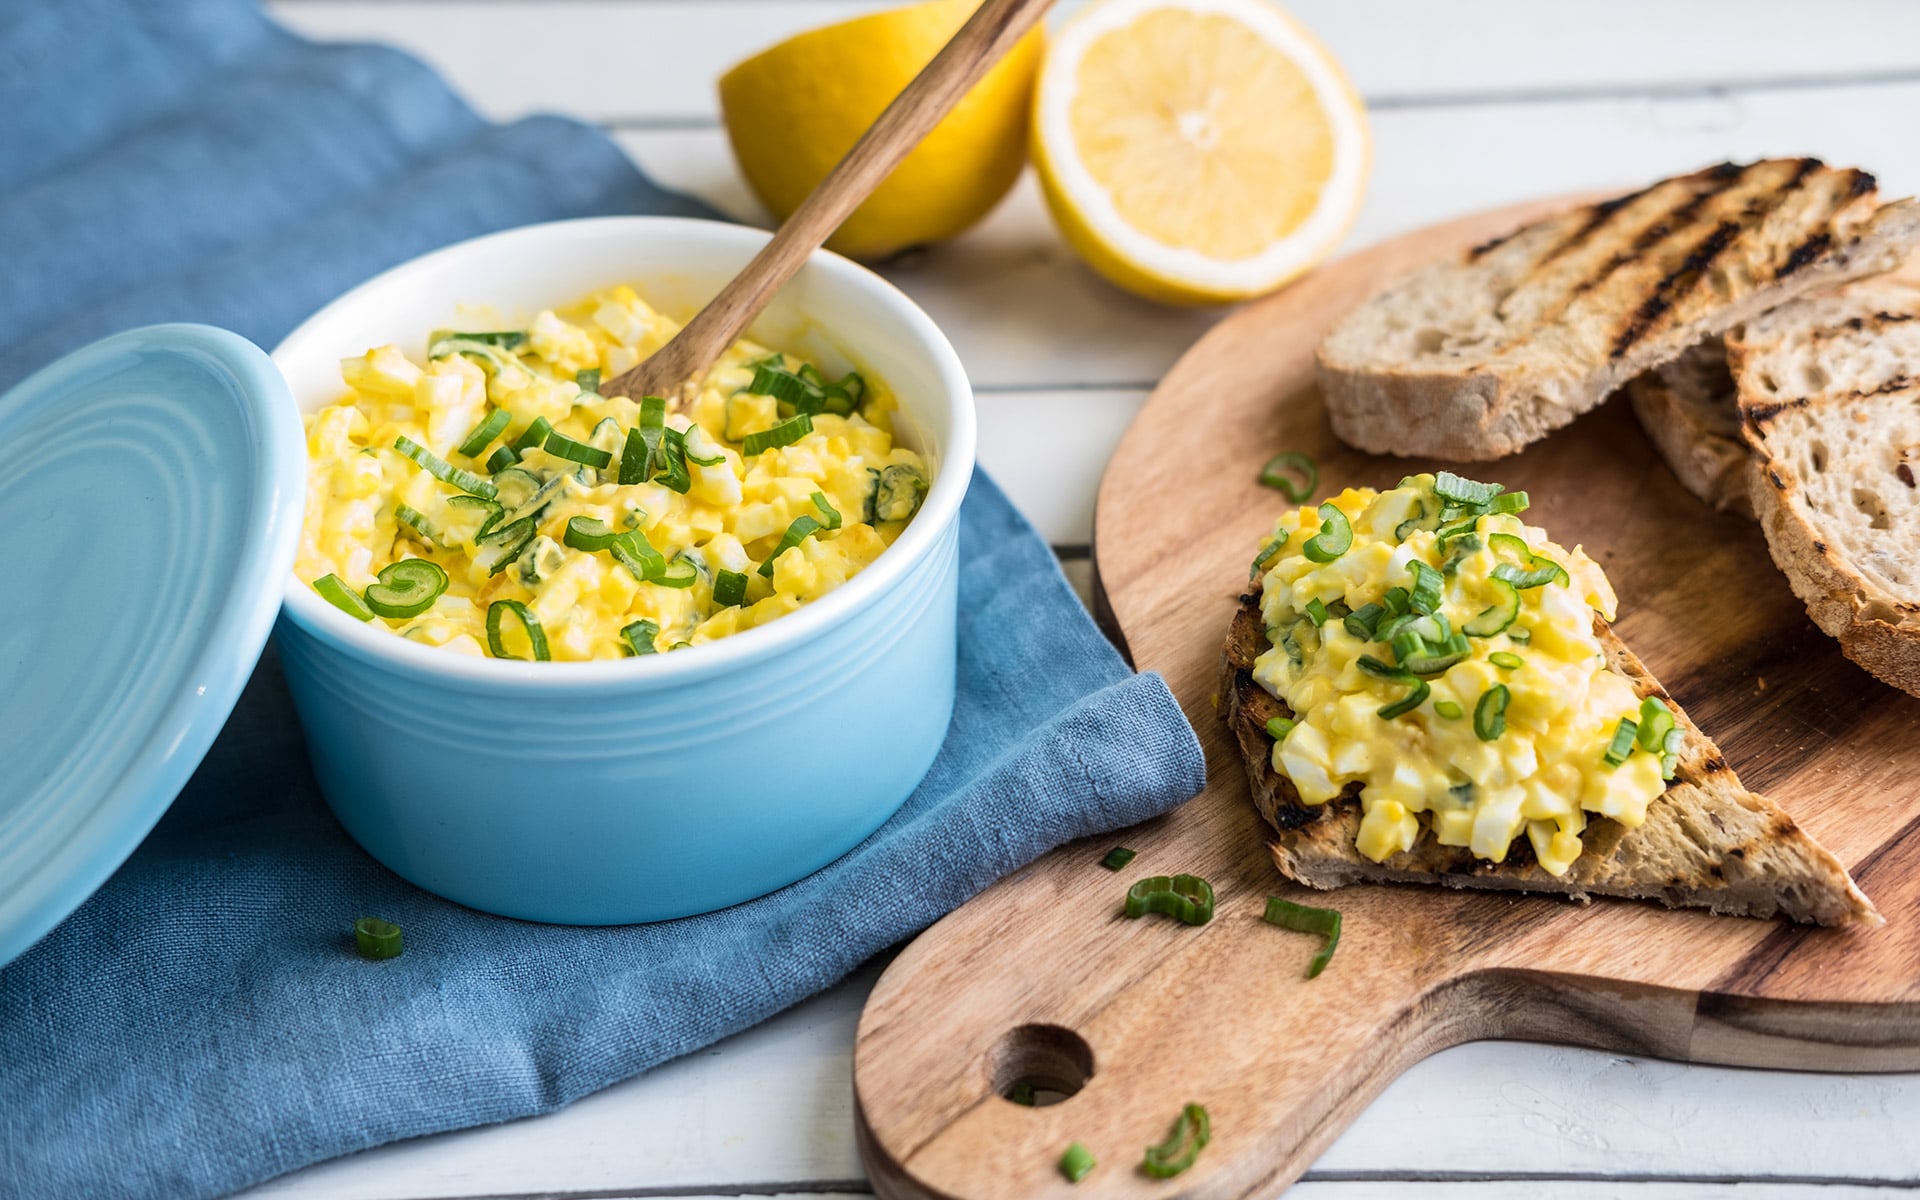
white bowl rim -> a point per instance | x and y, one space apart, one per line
763 642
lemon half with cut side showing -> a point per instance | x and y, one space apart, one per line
1198 151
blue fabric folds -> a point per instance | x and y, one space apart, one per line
202 1023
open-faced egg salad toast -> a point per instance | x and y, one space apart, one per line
490 501
1427 689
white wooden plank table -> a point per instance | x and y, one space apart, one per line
1475 103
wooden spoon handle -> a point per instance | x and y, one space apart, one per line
986 37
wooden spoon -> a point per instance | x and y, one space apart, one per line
986 37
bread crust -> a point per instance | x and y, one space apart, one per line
1478 356
1877 626
1707 843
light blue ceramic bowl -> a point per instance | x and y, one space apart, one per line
649 788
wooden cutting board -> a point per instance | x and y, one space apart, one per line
1041 977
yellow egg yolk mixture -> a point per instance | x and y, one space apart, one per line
1440 654
489 500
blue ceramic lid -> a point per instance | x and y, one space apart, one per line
149 506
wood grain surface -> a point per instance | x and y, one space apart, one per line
1042 978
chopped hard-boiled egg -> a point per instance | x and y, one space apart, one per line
1439 656
492 501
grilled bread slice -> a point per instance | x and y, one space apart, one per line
1829 393
1687 409
1707 842
1474 357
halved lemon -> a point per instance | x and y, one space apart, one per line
1198 151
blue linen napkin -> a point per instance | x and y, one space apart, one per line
202 1023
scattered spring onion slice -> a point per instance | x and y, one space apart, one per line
1496 616
589 380
1280 470
443 470
342 597
1279 727
786 433
1187 898
505 339
1334 539
376 939
1077 1163
697 461
1506 660
501 459
561 446
640 637
497 613
1427 584
1415 697
1185 1140
1303 919
801 529
1317 612
1490 714
497 548
485 432
406 588
1624 735
729 588
1412 523
1449 486
1670 747
491 511
1268 553
1656 721
533 435
1519 635
1448 709
588 533
827 510
1363 622
1508 502
1118 857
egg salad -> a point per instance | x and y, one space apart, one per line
1439 655
491 501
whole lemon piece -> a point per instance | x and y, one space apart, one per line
794 110
1197 151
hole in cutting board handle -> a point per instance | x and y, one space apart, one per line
1040 1064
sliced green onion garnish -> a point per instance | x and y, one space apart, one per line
827 510
490 508
342 597
634 458
1118 857
1188 898
1496 616
1279 727
1490 714
1449 486
1303 919
771 378
633 551
1656 721
1427 584
801 529
533 435
1184 1142
485 347
588 533
1077 1163
1363 621
561 446
1334 539
376 939
1508 502
1543 571
504 339
1458 551
697 461
1506 659
443 470
497 613
415 520
1432 658
1670 747
1624 735
1519 635
406 588
1279 472
1415 697
1397 601
673 473
1448 709
682 572
1317 612
640 637
1268 553
1412 523
784 434
496 548
729 588
589 379
501 459
486 431
1393 627
1374 666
